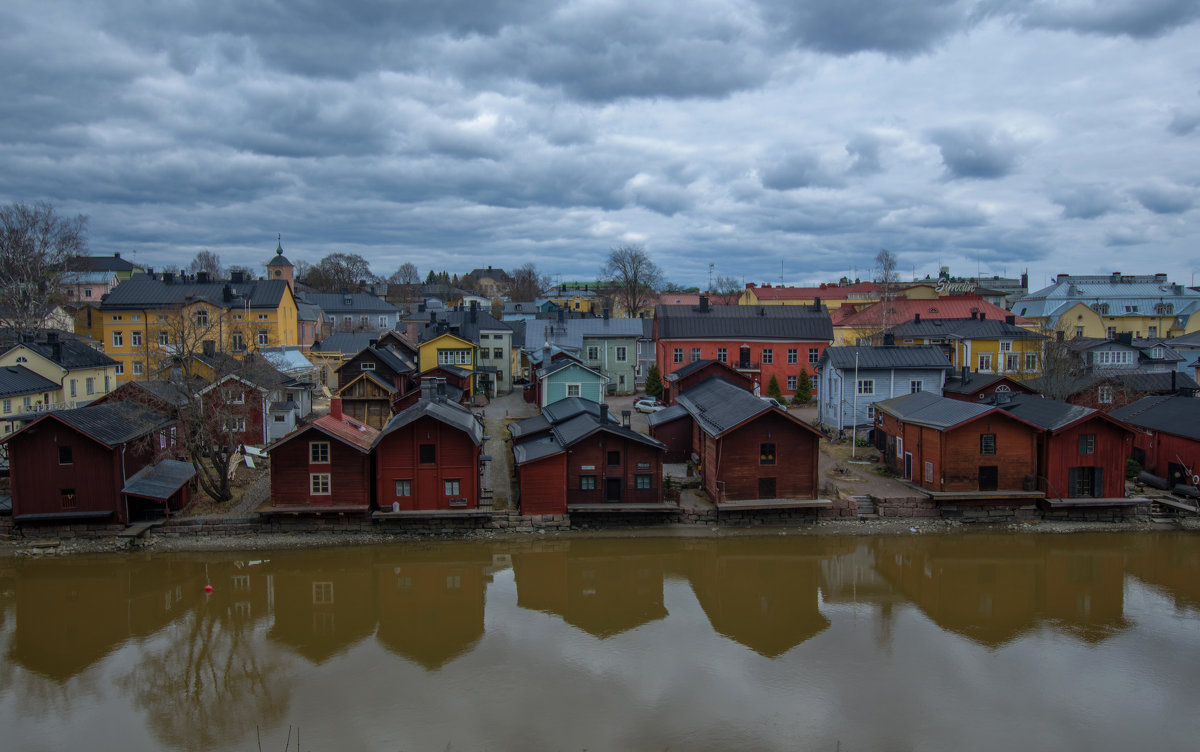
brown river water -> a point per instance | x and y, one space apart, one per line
946 642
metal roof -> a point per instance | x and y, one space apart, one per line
449 413
777 322
572 428
351 302
524 428
288 360
70 354
567 408
112 263
962 329
571 333
906 309
1169 413
718 405
929 409
89 278
344 429
886 357
459 324
537 448
143 290
161 480
674 412
110 423
1047 413
585 424
1144 292
346 342
18 380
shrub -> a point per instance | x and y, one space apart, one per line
1132 468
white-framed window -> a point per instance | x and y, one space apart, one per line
135 338
318 484
8 406
498 353
135 317
454 357
116 317
233 398
792 383
987 443
1005 345
452 486
677 355
695 354
768 355
1111 332
236 425
866 386
622 353
574 390
89 385
404 487
118 338
119 369
318 452
1087 443
900 447
138 368
593 352
814 354
237 341
322 593
263 317
264 338
164 338
1031 361
928 472
1104 393
916 385
1012 362
793 355
73 387
382 321
202 317
367 365
587 483
985 362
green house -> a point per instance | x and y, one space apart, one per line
567 378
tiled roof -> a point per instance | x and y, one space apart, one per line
160 480
449 413
787 323
913 356
143 290
358 302
344 429
18 380
904 309
1169 413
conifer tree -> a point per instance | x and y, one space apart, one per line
803 389
654 385
773 390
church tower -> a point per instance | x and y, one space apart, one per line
280 268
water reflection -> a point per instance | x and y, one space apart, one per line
138 637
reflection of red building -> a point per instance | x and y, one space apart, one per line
431 605
322 607
324 465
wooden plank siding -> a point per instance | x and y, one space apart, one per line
348 467
397 457
955 456
541 484
1060 453
590 457
677 435
732 466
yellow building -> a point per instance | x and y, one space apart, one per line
1103 306
830 296
150 318
983 345
448 351
69 373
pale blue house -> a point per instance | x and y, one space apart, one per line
851 378
567 378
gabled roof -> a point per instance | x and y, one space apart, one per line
288 360
537 448
349 303
887 357
719 407
570 333
824 292
967 328
113 263
561 365
977 382
69 354
461 325
449 413
689 369
929 409
110 423
160 480
345 429
524 428
906 309
568 425
18 380
674 412
370 376
580 427
1045 413
164 390
394 360
1168 413
1110 295
565 409
345 342
788 323
143 290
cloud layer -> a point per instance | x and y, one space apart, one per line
752 135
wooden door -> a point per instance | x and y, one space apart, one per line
989 478
612 489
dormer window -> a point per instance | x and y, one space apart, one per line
367 365
347 300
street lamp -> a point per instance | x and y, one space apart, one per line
854 413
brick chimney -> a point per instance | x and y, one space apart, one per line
335 408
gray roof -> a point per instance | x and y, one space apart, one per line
111 423
688 369
1191 339
351 302
161 480
790 323
288 360
460 324
962 329
523 428
449 413
1047 413
1145 292
346 342
143 290
308 311
559 365
569 429
113 263
71 354
912 356
975 381
537 448
929 409
570 333
565 409
674 412
719 406
1169 413
1137 380
18 380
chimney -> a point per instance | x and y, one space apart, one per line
440 390
335 408
168 277
474 311
606 314
974 314
889 340
116 255
966 375
704 304
1010 319
428 388
433 317
603 412
51 338
202 278
227 293
1116 277
545 355
982 315
817 303
345 290
916 318
420 308
625 417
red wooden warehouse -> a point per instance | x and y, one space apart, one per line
1167 436
75 464
428 458
678 382
746 450
576 458
324 466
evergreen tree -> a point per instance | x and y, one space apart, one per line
803 389
654 385
773 390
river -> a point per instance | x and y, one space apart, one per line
945 642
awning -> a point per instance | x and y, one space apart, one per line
160 481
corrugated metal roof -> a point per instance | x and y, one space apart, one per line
346 342
1144 292
929 409
718 405
350 303
1047 413
567 408
583 425
18 380
536 449
289 360
111 423
1170 413
71 354
161 480
142 290
913 356
344 429
962 329
674 412
524 428
461 325
778 322
449 413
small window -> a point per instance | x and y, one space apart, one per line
262 317
1087 443
367 365
622 354
614 458
768 355
792 383
497 352
928 472
67 498
587 483
677 355
280 418
427 454
119 369
987 443
322 593
404 488
64 455
593 352
642 481
866 386
1031 362
138 368
201 317
573 390
814 354
916 385
985 362
8 406
318 484
318 452
452 486
89 385
643 466
899 447
264 339
74 387
766 454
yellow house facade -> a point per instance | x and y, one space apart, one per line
448 350
74 373
985 346
1102 306
149 319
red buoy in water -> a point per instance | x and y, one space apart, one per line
208 588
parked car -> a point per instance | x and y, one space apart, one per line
648 405
773 402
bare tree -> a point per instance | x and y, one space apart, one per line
526 283
406 274
726 289
338 270
886 277
1062 368
37 247
633 277
405 285
208 262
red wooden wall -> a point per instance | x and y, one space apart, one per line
731 466
397 458
349 469
1060 453
543 490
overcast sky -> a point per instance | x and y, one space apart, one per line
768 138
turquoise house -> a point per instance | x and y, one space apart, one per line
567 378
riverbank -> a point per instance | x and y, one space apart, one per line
332 537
